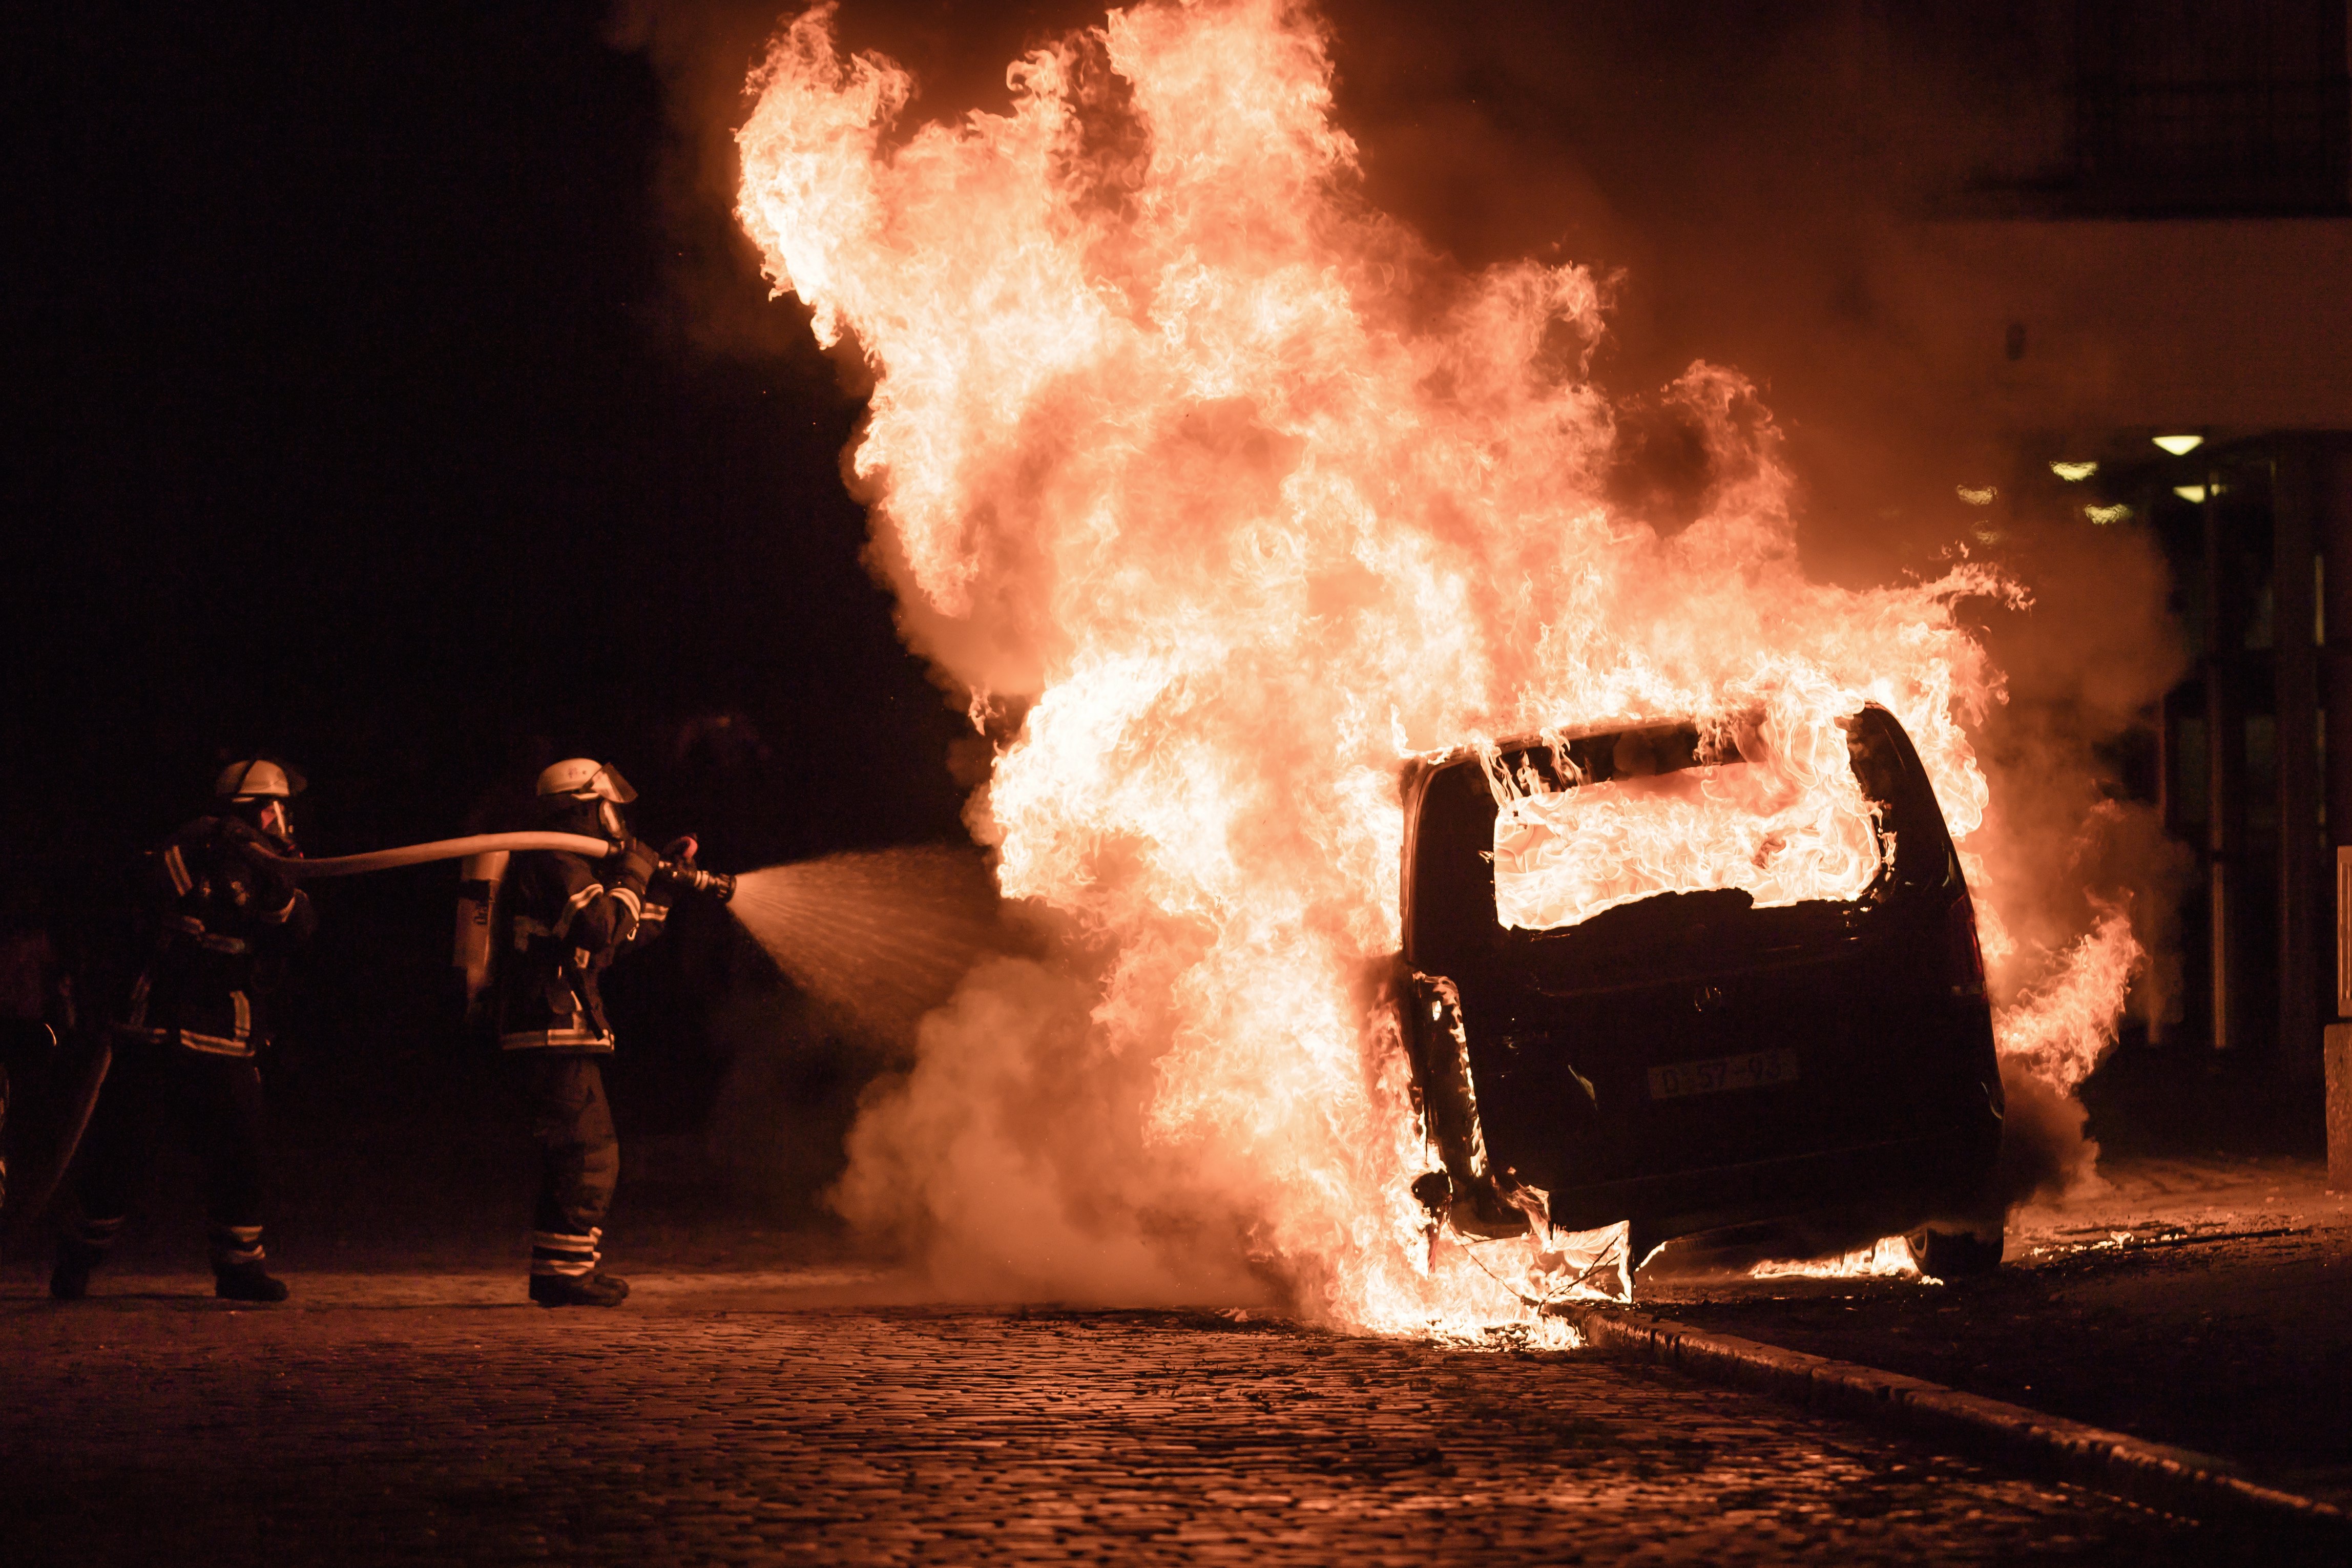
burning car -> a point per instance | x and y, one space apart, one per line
1788 1050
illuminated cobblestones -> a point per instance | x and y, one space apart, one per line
363 1434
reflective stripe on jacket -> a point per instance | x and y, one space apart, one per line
568 926
224 920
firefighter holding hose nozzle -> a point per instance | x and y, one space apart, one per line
224 916
571 917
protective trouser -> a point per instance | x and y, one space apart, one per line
579 1158
215 1101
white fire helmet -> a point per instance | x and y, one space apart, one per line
256 778
271 784
585 778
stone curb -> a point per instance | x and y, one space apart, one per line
2177 1480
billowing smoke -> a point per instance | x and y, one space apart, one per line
2087 886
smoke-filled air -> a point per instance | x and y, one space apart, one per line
1220 494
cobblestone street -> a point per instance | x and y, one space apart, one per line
2196 1302
383 1418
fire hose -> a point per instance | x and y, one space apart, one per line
717 884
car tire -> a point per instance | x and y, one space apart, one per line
1955 1254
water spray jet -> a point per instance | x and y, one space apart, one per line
882 937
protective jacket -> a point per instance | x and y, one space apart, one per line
225 916
571 916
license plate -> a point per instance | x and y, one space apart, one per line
1751 1070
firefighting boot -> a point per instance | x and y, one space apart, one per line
247 1282
77 1253
563 1271
239 1273
579 1290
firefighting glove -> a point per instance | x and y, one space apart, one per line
680 850
637 861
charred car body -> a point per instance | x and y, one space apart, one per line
1797 1079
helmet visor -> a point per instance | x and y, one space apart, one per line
270 815
612 786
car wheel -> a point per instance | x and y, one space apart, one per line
1955 1254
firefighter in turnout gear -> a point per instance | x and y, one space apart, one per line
224 918
571 917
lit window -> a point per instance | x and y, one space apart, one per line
2073 473
1974 496
2179 446
2118 513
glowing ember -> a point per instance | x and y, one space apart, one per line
1233 496
1889 1257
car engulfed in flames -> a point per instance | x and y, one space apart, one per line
1220 497
1786 1052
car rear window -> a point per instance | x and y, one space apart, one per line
1767 805
1454 910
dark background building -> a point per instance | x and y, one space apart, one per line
2160 217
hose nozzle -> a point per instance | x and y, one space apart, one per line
716 885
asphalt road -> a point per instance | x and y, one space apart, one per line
728 1418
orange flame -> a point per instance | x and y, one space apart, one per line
1888 1258
1240 496
2063 1023
1786 821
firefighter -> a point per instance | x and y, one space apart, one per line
571 916
224 916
